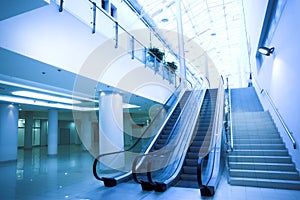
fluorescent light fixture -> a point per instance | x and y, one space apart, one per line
266 51
46 97
24 86
127 105
21 100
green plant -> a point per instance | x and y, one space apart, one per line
172 65
154 51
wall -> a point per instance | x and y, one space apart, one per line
279 72
63 124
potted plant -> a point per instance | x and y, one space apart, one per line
154 51
172 66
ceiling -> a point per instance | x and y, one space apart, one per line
42 78
217 26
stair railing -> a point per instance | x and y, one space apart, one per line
230 119
290 134
271 102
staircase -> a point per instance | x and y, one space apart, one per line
260 157
165 133
188 176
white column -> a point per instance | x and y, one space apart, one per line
9 116
28 130
44 130
52 131
86 131
111 136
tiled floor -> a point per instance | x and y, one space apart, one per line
68 176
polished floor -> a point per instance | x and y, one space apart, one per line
68 176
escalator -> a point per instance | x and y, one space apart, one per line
193 158
188 175
165 136
161 126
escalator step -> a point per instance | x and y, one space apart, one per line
194 149
189 177
187 184
190 170
161 141
191 162
192 155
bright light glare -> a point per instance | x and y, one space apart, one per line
125 105
263 51
46 97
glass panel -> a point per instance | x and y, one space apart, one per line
36 133
21 132
216 25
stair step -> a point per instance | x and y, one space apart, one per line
258 141
262 166
266 174
259 152
260 146
255 135
260 159
254 130
268 183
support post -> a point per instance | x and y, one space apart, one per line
132 47
9 116
61 5
94 17
52 131
117 34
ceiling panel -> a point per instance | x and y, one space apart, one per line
215 25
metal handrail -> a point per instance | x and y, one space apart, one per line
163 153
122 28
230 119
277 114
136 142
280 119
216 134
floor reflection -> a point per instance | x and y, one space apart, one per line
35 175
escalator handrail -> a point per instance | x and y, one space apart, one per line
148 165
177 121
159 155
134 164
162 127
218 121
177 169
136 142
